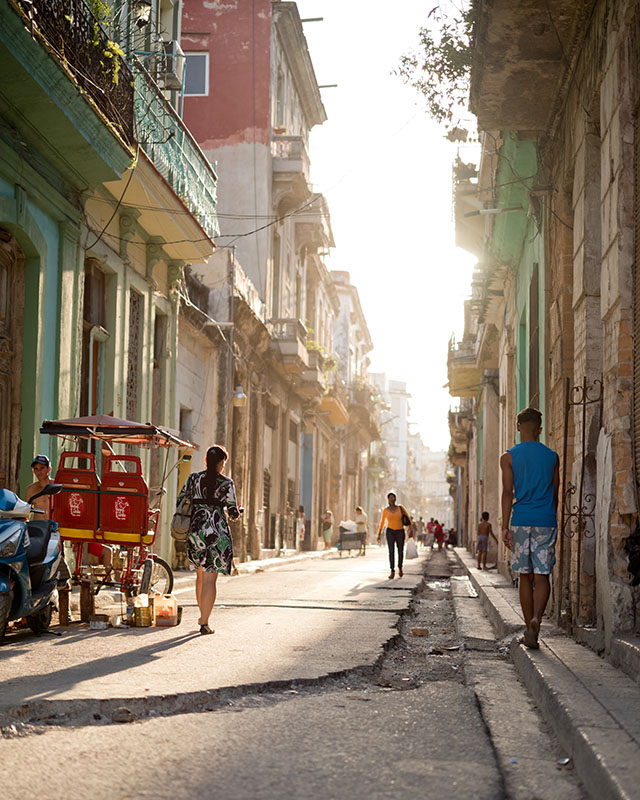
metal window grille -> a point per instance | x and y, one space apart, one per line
133 371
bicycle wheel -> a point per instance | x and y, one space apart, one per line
145 578
161 577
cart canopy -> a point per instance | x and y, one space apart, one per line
116 431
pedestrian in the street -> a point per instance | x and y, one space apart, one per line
531 474
394 518
362 523
209 546
452 538
430 536
484 531
420 531
327 528
438 532
301 526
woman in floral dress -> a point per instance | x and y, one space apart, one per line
209 546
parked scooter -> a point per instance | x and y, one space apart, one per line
30 555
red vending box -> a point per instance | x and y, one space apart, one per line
124 501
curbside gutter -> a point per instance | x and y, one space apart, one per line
593 708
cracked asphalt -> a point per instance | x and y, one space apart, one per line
313 686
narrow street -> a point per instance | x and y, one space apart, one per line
313 685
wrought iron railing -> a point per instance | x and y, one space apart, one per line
173 150
75 38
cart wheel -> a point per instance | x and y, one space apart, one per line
87 602
145 580
161 577
40 621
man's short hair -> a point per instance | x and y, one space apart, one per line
529 415
485 515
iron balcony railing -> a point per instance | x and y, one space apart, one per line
173 150
75 38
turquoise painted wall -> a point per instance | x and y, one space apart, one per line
519 243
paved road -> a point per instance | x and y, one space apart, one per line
301 621
297 709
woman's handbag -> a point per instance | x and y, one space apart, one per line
181 520
405 517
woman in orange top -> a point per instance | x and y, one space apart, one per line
392 516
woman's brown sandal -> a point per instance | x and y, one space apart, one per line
205 629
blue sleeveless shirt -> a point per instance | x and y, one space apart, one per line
533 466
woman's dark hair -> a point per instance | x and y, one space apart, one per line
215 455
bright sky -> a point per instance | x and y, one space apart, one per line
385 169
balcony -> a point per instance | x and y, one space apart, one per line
66 91
77 41
290 162
314 380
335 401
173 150
289 342
519 61
362 407
464 376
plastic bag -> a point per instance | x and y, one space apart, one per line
411 550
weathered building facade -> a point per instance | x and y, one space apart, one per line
105 198
552 321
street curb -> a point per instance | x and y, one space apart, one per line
504 619
605 756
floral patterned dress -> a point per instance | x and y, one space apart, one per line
209 540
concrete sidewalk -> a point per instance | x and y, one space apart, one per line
593 708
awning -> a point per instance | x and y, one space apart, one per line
116 431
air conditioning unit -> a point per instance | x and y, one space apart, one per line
173 65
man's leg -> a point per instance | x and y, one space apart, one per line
525 586
541 592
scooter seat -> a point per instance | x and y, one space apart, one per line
39 535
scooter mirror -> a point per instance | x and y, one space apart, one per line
51 488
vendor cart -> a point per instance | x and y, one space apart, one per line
350 539
115 509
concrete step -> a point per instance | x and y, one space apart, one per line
593 708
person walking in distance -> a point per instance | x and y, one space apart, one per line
209 545
395 518
327 528
362 523
531 475
485 530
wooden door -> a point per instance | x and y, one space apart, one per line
11 318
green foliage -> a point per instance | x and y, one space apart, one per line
441 68
111 52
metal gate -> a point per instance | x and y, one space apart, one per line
578 501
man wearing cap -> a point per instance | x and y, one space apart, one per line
41 467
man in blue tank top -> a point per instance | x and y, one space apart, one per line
531 474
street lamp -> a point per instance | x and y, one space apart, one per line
239 399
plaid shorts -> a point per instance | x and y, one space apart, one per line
534 549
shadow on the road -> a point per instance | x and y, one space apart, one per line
63 679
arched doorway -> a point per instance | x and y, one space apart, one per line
12 272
